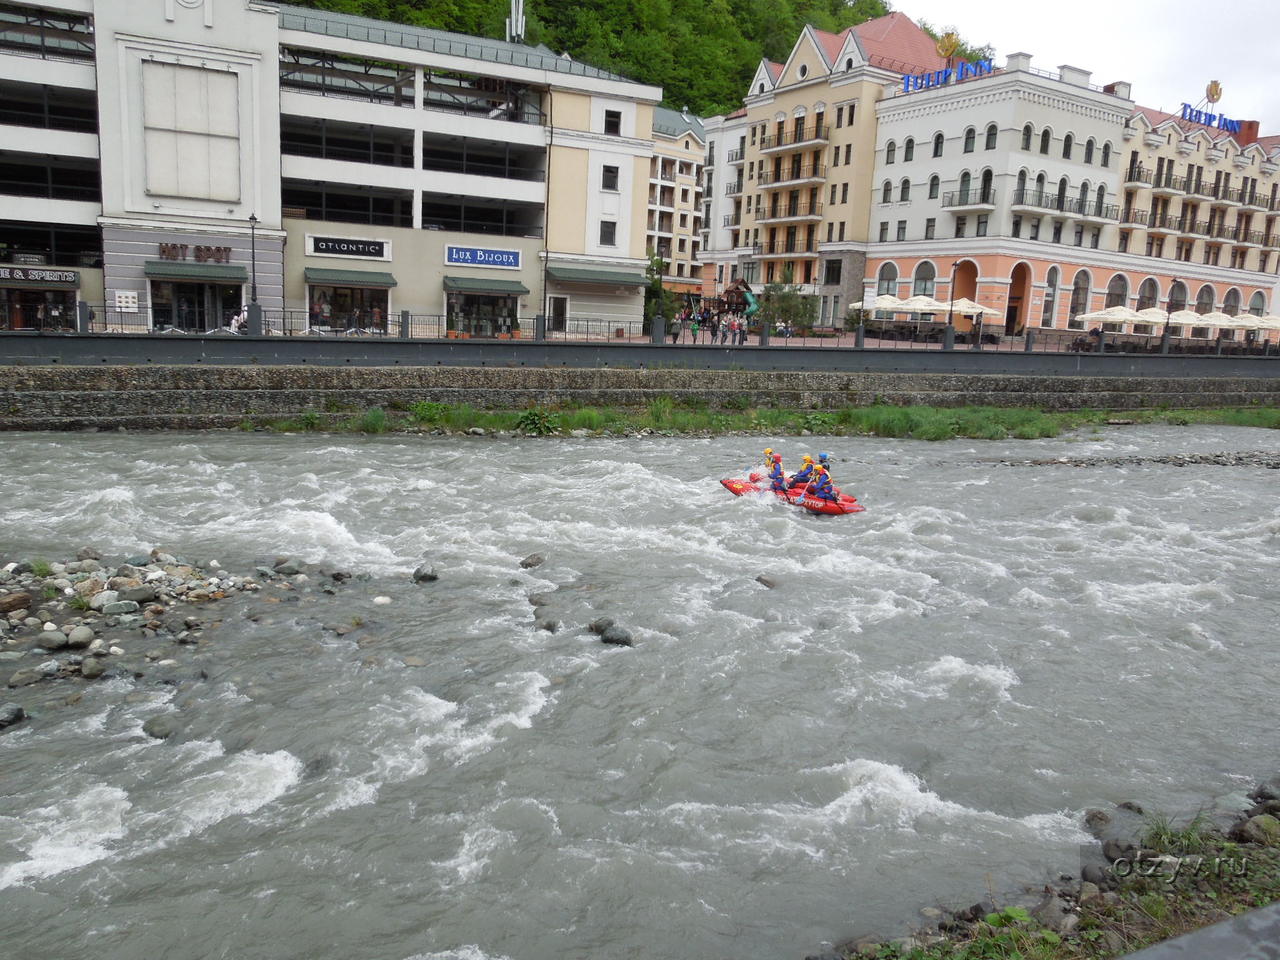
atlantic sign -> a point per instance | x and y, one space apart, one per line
482 257
1215 120
940 78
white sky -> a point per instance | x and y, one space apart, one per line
1168 49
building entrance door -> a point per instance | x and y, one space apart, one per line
194 307
559 313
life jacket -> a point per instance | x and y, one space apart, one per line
802 475
778 477
822 488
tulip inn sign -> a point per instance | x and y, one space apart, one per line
1215 120
939 78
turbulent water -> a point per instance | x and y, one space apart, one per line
934 692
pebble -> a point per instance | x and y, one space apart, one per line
382 601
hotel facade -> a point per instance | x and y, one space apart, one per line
170 160
1045 195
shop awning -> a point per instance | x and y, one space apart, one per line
349 278
483 285
610 278
195 272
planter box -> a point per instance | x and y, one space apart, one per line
504 336
451 334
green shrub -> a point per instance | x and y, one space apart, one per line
41 568
310 420
373 421
537 422
427 413
461 417
588 418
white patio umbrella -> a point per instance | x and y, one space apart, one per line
1269 322
969 308
1185 317
1216 318
1153 315
922 304
887 302
1113 315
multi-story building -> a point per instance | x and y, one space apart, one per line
177 158
674 231
721 211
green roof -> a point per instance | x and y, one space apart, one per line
674 123
351 27
197 272
610 277
483 285
350 278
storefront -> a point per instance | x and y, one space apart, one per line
38 298
480 307
348 299
194 297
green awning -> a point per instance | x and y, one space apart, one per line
482 285
198 272
350 278
610 277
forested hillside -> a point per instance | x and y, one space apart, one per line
701 52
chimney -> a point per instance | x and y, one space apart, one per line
684 111
1074 75
1018 61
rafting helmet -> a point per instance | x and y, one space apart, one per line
768 451
807 459
777 458
824 457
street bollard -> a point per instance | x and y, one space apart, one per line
404 324
949 337
540 327
255 319
1030 341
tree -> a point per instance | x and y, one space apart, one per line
658 300
783 305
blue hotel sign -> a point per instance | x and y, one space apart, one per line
1216 120
481 257
939 78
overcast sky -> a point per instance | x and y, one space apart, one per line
1168 49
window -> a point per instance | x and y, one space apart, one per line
1204 300
1177 297
680 246
684 220
886 192
1079 300
1088 151
991 137
830 228
961 223
1045 138
1106 154
1231 303
835 156
970 138
609 178
804 71
982 225
884 231
608 233
844 193
839 117
887 280
753 134
890 151
924 280
904 189
934 184
1017 226
1148 294
1057 231
1027 134
1068 142
1035 229
684 194
1117 291
848 147
831 272
842 230
1258 304
902 230
938 141
908 150
930 228
613 123
1050 298
833 193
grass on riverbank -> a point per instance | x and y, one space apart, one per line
667 417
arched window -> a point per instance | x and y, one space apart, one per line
1062 194
991 137
890 150
1021 195
886 192
1080 295
1177 297
1045 138
1204 300
970 138
1117 291
987 196
1148 294
1101 200
1231 302
1040 188
887 280
1084 197
908 150
1258 304
934 183
1027 134
1067 143
1088 151
1106 154
925 276
965 180
1050 298
937 145
848 63
904 189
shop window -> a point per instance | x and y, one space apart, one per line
347 308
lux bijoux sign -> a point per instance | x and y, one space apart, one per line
356 248
36 275
482 257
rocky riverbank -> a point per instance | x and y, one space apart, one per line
1266 459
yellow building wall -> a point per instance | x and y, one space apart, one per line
566 210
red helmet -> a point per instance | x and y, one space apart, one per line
777 458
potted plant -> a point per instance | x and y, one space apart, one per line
515 328
450 327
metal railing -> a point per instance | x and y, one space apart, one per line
807 171
778 247
807 134
1169 182
1137 174
969 198
733 188
789 211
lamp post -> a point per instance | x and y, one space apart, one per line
253 257
951 305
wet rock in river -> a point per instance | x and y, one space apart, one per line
24 678
15 601
425 574
80 637
93 668
161 727
617 636
533 560
11 713
600 625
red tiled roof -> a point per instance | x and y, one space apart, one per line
1269 143
775 69
896 39
737 113
1156 117
831 43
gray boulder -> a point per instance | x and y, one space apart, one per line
88 553
1055 914
138 594
93 668
1263 830
425 574
617 636
24 678
100 600
288 568
600 624
53 640
11 713
533 560
1267 790
161 727
80 637
767 581
121 606
549 624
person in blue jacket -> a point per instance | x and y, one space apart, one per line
803 475
777 476
821 486
824 461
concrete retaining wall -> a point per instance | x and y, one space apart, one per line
75 397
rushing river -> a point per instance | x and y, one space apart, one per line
935 691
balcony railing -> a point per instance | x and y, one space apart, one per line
1075 206
1164 223
1135 217
791 174
1138 174
783 247
1169 183
732 220
970 198
733 188
790 211
816 133
1199 188
734 156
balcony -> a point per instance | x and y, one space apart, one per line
1170 186
1220 196
1198 228
1163 223
806 136
1250 238
734 156
783 248
733 188
1201 188
1137 176
1271 239
732 220
1137 218
1254 201
790 211
962 200
808 173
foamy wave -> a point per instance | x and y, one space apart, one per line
468 952
72 833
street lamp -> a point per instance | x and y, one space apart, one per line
951 306
253 257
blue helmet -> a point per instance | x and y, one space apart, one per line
824 457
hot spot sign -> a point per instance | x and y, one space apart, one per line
482 257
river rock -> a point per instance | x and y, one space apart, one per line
80 637
1114 850
93 668
617 636
100 600
1055 914
767 581
53 640
382 601
1089 891
161 727
600 625
24 678
1263 829
138 594
476 432
539 599
1132 806
549 624
15 601
88 553
533 560
1267 790
424 574
120 606
1095 820
288 568
11 713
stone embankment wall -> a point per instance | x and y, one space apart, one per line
56 397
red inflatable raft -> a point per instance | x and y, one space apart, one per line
757 484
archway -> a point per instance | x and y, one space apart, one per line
1015 316
966 285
